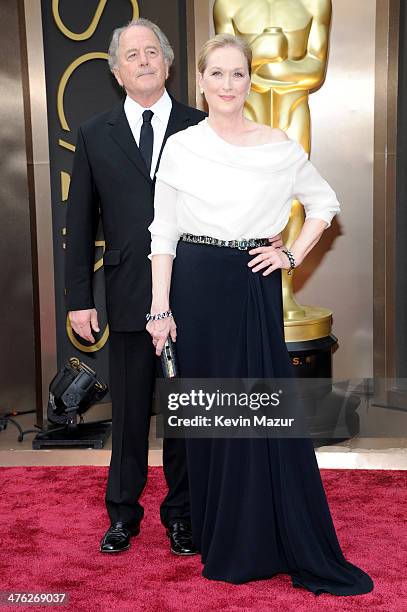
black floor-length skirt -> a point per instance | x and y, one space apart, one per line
258 506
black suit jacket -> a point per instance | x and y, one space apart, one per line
110 178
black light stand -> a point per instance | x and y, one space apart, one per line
71 393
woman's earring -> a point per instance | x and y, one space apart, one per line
202 91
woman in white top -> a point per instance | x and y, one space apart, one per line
258 506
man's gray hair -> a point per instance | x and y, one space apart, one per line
145 23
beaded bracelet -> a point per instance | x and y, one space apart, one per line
290 258
158 316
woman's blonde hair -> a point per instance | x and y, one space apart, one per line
220 41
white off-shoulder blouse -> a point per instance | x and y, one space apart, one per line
209 187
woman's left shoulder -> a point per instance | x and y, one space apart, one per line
274 134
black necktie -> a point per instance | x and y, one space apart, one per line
147 138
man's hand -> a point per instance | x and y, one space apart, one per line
276 241
83 322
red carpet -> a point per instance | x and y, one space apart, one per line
51 520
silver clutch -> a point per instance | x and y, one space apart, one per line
169 362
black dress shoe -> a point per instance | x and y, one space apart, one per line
180 536
117 537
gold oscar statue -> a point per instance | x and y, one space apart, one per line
289 40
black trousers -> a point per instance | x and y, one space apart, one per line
133 366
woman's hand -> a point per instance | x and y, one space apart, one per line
276 241
160 330
268 258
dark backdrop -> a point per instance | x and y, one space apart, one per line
91 89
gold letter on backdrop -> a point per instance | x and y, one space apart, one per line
81 36
64 81
93 24
289 41
64 124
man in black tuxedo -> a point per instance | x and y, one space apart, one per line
117 155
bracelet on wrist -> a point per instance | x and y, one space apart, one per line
158 316
291 259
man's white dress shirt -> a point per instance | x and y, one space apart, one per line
162 110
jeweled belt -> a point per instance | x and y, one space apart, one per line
243 245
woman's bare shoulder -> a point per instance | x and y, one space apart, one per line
268 134
275 134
